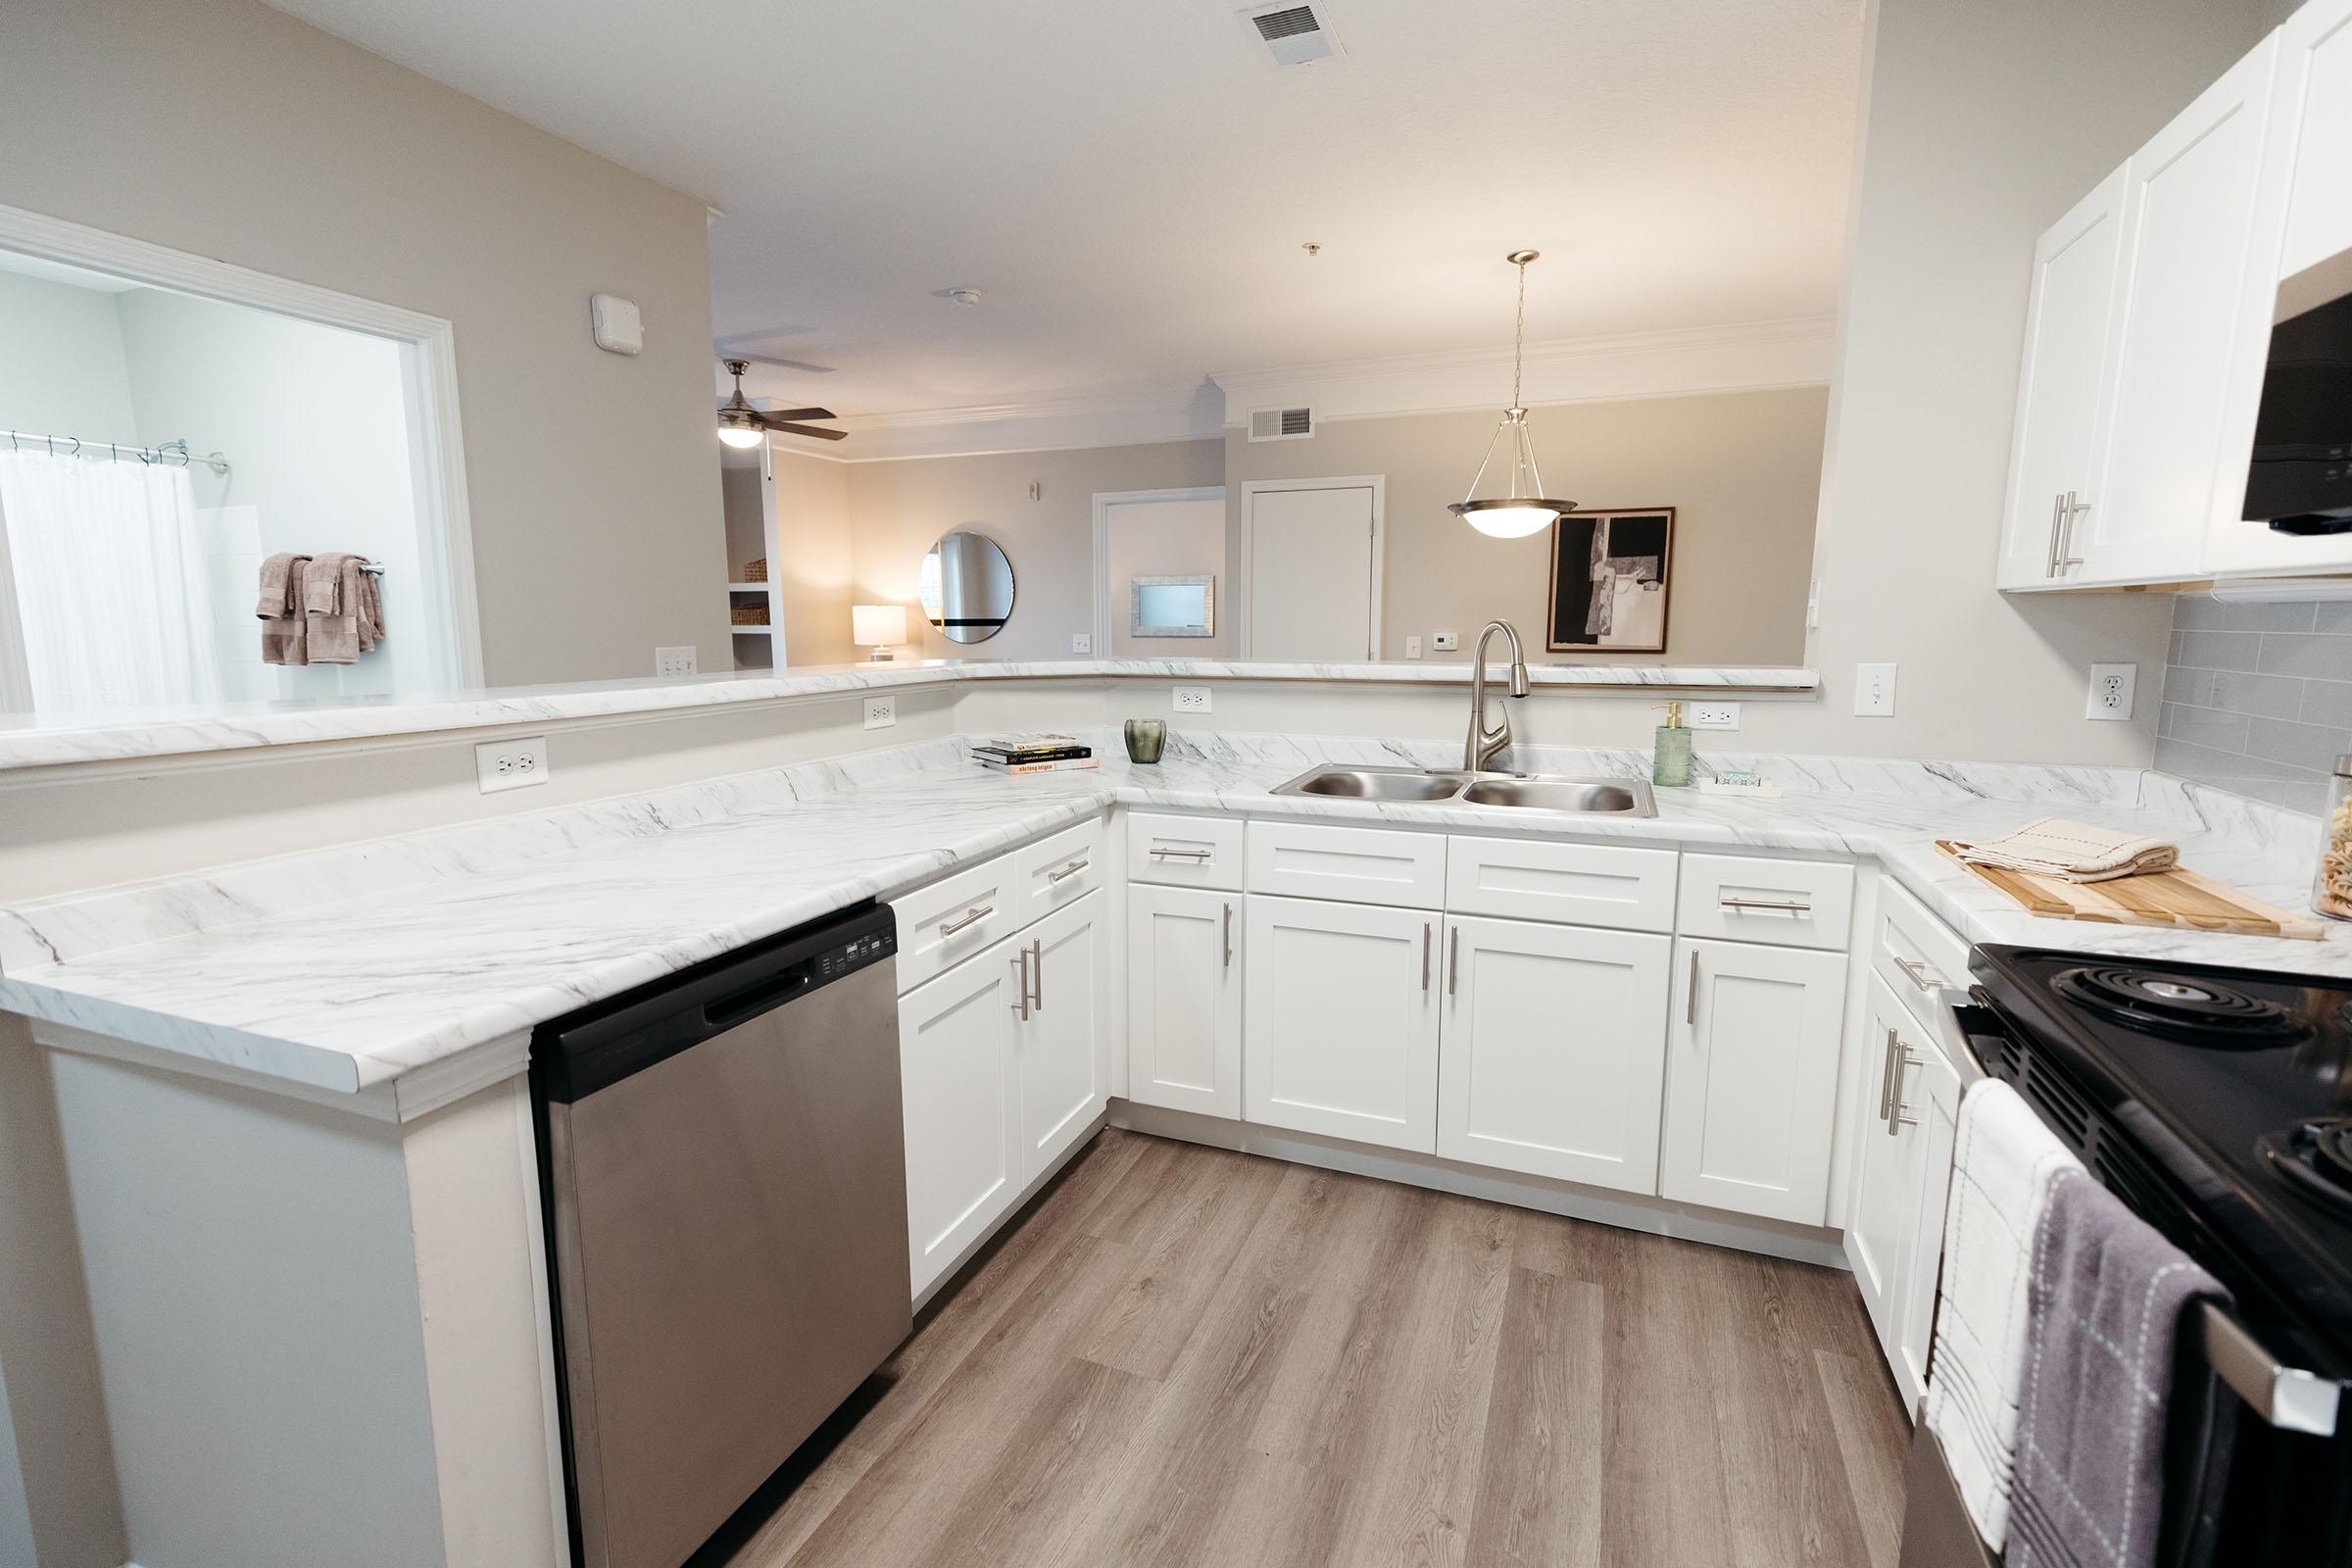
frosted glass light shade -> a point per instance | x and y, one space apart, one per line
1505 520
740 436
877 625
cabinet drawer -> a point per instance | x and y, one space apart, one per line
1797 904
943 924
1353 864
1057 871
1917 955
1573 884
1192 851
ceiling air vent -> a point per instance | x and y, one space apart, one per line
1281 425
1292 34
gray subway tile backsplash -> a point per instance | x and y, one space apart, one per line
2258 697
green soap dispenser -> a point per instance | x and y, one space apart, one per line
1670 765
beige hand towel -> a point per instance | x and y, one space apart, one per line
331 594
2072 852
285 627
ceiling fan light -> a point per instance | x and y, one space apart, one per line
739 428
1513 518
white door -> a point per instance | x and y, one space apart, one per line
1062 1046
1314 571
2188 217
1752 1078
1183 999
962 1116
1553 1055
1928 1112
1886 1189
1340 1033
2055 439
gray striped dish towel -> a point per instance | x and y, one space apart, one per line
2003 1163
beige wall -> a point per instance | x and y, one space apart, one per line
901 506
1741 470
813 565
228 129
1982 123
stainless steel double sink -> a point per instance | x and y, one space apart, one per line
1523 792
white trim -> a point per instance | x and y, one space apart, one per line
1239 572
1108 416
1751 357
430 367
1105 500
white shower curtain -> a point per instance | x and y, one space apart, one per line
109 583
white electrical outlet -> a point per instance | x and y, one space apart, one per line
1412 647
1082 641
1714 716
1874 691
881 712
1445 642
511 764
2110 691
673 661
1192 700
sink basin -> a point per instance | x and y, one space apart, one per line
1588 796
1376 784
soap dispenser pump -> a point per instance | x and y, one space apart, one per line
1670 763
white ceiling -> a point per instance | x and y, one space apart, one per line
1131 184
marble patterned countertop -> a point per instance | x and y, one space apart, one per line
350 968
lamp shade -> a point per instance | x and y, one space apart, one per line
877 625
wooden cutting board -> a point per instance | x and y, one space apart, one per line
2178 898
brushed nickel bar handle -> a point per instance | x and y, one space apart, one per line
1020 981
1920 974
1037 973
1071 869
1898 1114
1691 1003
2067 559
2057 522
1425 957
1228 936
1886 1078
1780 906
1453 960
1161 853
978 912
2285 1396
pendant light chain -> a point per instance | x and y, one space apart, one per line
1519 336
1519 512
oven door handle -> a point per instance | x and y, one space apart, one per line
2287 1397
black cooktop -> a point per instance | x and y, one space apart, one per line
2233 1088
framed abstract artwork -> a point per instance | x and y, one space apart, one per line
1611 573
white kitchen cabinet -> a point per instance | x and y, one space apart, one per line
2055 445
1340 1032
2314 122
1884 1206
1183 999
1061 1042
1552 1049
1927 1110
1359 864
1752 1078
2188 229
1579 884
1190 852
962 1113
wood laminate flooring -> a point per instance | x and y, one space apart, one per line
1179 1355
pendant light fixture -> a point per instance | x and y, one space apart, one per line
1521 510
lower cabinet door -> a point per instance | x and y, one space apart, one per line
1885 1191
1340 1031
1752 1078
1928 1108
962 1116
1183 999
1553 1054
1063 1039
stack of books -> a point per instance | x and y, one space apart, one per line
1034 753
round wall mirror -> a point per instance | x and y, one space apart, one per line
968 586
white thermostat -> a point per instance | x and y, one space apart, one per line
615 324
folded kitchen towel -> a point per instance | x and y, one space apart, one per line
2106 1303
2072 852
2003 1163
285 624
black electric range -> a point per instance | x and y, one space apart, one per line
2216 1102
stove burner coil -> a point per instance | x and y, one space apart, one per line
2201 1011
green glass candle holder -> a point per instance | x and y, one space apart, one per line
1147 738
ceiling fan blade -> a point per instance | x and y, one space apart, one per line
787 427
794 414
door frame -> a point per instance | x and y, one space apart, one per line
1105 500
428 373
1251 489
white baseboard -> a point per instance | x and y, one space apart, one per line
1657 1216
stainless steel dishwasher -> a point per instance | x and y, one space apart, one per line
723 1164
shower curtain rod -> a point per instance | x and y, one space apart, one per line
75 444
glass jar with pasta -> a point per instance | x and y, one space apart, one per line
2331 894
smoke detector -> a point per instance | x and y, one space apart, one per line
1292 34
964 297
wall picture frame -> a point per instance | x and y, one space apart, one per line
1612 576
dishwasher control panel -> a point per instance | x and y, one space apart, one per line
858 952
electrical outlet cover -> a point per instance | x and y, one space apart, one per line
1874 691
669 662
511 764
1192 700
2110 692
881 713
1714 716
1082 641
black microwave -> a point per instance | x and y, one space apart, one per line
2300 479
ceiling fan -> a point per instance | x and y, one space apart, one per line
741 425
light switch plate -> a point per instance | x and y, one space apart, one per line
1082 641
2110 692
1192 700
673 661
1412 646
511 764
1445 642
1714 716
1874 691
881 713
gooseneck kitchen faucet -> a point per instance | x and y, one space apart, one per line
1485 743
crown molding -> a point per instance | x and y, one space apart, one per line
1747 356
1111 417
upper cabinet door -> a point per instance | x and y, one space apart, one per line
1553 1050
2053 450
2315 125
2188 229
1063 1046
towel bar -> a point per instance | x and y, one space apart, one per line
2287 1397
